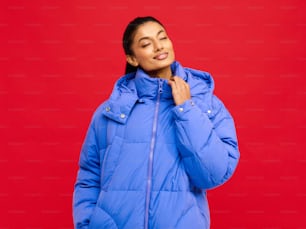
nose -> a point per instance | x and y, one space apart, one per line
158 46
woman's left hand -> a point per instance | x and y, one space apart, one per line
180 90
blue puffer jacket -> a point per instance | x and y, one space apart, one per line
146 163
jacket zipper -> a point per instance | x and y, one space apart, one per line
151 154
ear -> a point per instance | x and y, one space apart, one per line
132 60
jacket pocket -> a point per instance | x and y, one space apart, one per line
110 162
101 220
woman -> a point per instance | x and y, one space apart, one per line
156 145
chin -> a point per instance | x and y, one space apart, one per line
165 63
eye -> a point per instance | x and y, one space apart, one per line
163 38
145 45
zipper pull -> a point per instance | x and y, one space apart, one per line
160 88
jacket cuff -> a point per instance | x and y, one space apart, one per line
182 109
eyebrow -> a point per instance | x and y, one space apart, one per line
143 38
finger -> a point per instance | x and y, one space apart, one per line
172 82
179 80
180 83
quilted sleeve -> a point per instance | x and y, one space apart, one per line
207 143
87 186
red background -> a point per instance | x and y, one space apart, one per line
59 60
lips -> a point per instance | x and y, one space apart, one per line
161 56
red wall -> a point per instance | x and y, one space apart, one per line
59 60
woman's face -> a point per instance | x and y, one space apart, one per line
152 49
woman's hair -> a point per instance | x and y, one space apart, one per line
128 37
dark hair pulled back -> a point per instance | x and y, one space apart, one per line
128 37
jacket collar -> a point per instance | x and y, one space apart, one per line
149 87
134 86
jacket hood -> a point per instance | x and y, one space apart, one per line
134 86
204 76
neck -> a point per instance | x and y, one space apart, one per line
164 73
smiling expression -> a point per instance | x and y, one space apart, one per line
152 50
